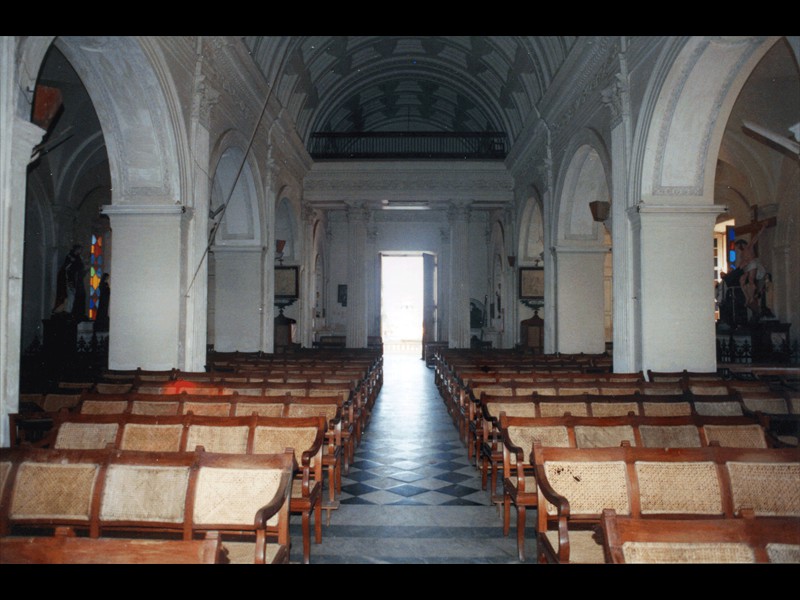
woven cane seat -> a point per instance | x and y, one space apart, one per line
55 402
151 438
603 437
145 493
329 411
614 409
274 440
103 407
262 409
58 491
243 553
584 547
234 496
770 489
589 486
559 409
207 409
512 409
737 436
679 487
85 436
719 409
667 409
523 437
674 552
222 439
784 553
770 405
155 408
670 436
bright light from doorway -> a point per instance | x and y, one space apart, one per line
401 303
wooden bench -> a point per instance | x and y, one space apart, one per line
65 548
518 434
230 435
745 539
242 499
485 428
575 485
337 456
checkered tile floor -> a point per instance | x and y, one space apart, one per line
411 495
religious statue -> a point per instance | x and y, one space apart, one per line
70 289
742 294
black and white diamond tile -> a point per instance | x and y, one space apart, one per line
411 495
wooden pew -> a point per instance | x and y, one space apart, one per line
518 434
230 435
576 484
243 500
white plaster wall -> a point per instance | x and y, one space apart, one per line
403 232
238 301
580 302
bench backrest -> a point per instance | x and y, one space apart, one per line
519 433
709 481
188 493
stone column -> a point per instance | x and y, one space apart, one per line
373 281
239 301
357 302
443 300
145 310
458 309
15 152
676 286
580 299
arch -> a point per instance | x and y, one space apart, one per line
286 226
690 98
531 233
235 205
586 178
582 266
138 114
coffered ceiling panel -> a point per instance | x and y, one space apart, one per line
410 83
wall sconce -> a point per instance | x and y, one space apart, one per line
512 260
600 210
279 246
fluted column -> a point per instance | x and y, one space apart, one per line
357 303
458 319
625 337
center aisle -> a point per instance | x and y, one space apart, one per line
411 496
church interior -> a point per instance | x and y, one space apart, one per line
197 205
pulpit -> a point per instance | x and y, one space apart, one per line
531 334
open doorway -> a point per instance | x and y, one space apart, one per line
402 300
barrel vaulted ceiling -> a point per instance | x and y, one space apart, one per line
410 83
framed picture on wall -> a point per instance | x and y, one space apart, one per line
286 282
531 283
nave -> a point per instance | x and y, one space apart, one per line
411 496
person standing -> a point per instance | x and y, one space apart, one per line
104 297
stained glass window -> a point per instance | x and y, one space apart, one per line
96 271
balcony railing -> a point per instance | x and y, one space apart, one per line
410 145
